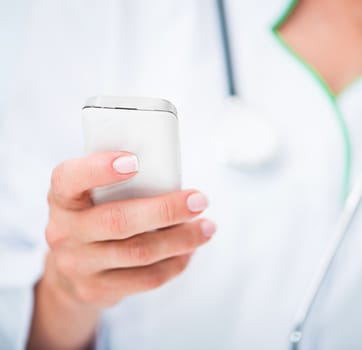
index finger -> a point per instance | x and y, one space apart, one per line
73 179
130 217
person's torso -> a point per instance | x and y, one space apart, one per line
241 290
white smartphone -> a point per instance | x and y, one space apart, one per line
147 127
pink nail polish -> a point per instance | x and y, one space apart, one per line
126 164
197 202
208 228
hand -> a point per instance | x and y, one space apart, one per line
101 254
104 253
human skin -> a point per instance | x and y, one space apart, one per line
98 255
328 35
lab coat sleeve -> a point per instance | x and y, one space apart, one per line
20 268
23 216
15 309
20 255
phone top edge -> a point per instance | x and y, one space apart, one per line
131 103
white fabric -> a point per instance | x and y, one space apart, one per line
242 289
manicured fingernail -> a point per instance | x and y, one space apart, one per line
126 164
208 228
197 202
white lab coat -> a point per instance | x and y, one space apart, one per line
242 290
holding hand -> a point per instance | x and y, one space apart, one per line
101 254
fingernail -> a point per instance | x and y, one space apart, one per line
208 228
126 164
197 202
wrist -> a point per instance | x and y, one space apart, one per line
59 319
60 290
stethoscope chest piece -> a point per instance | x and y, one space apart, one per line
244 138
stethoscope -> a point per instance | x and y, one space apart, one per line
258 130
245 137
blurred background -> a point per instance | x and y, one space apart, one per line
269 100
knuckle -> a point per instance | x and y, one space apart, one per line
57 179
52 236
95 167
139 251
115 219
167 211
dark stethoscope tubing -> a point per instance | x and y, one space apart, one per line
225 39
241 151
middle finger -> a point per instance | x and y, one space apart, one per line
147 248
